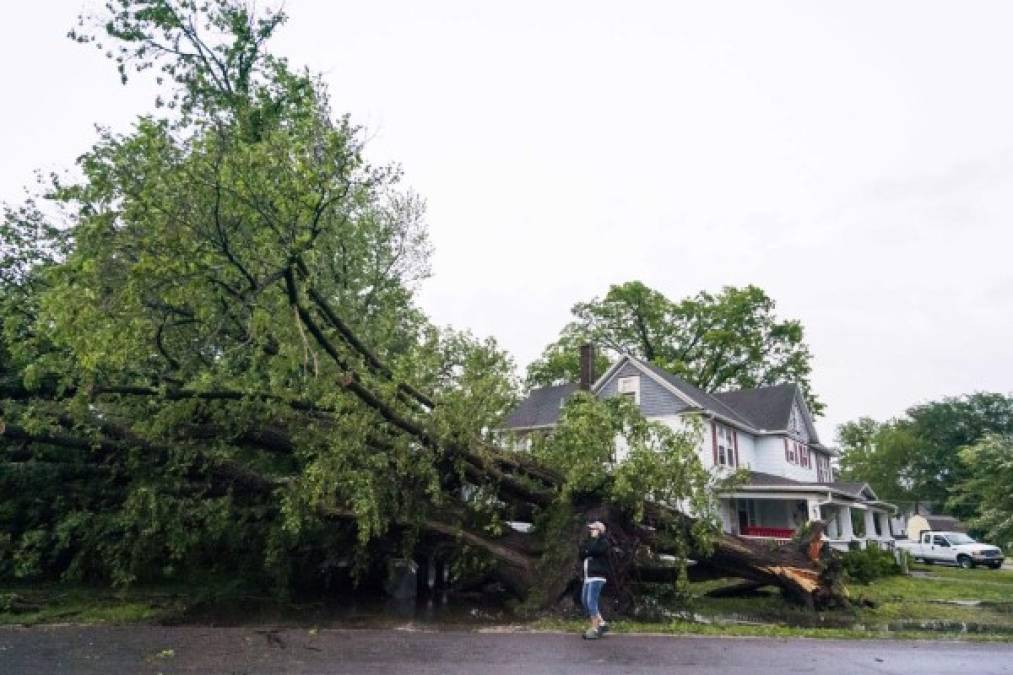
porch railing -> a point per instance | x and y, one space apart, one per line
772 532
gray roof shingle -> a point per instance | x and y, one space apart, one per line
946 523
766 408
541 407
759 479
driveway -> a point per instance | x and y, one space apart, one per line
195 649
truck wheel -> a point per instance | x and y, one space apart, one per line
965 562
928 561
995 565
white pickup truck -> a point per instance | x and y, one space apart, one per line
952 547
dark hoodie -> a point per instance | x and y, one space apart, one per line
594 558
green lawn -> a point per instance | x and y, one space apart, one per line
918 606
48 604
933 603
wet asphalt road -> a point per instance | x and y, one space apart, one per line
195 649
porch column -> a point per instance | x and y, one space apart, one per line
847 532
813 507
884 525
870 524
832 515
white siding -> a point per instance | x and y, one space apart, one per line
770 459
694 425
756 453
747 450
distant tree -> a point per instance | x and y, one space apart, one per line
943 428
916 458
560 361
728 340
988 492
880 455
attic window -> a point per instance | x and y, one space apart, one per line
630 387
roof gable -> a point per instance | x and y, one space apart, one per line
655 397
699 396
655 374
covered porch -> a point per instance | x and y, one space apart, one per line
867 523
777 516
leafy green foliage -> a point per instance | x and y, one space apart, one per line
916 458
212 358
868 564
608 449
727 340
989 488
881 455
162 271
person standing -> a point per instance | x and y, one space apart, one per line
595 568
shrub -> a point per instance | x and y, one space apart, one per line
865 565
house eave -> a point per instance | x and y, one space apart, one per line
814 489
535 427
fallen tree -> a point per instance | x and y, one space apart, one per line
221 361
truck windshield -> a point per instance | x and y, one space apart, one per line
957 539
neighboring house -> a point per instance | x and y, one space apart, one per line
912 518
919 523
767 431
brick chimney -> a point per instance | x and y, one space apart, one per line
586 366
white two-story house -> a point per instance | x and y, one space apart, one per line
767 431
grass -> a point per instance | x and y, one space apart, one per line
920 606
924 606
766 631
76 605
31 606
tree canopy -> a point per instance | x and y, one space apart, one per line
729 340
988 491
918 457
212 358
213 362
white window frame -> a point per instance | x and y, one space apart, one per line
726 446
629 385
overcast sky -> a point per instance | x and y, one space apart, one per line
854 159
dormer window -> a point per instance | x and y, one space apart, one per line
630 387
